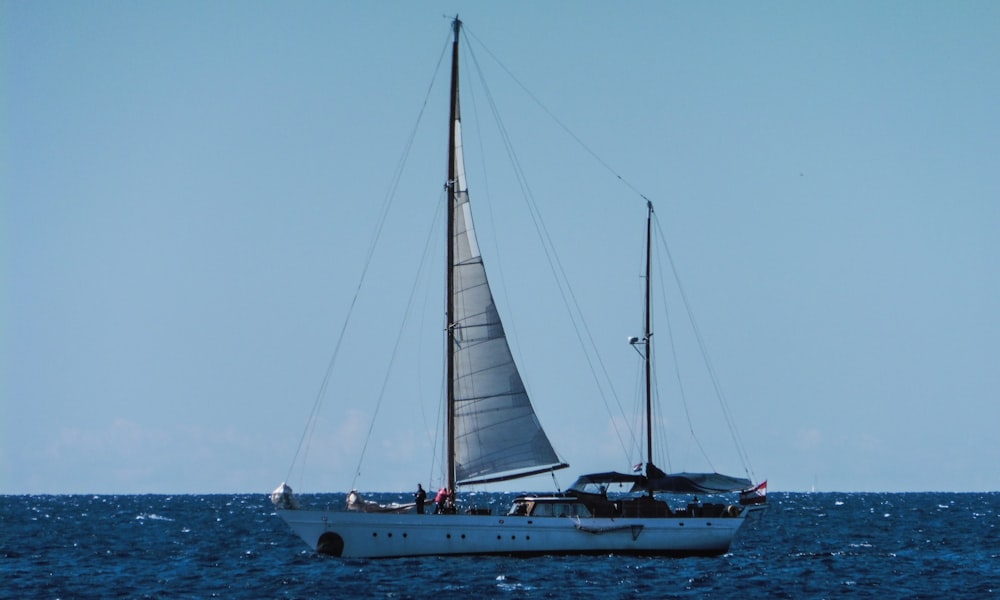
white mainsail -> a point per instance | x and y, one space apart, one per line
497 435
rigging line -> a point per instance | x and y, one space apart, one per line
380 223
555 482
677 366
637 424
555 265
638 410
396 345
423 313
497 265
639 401
662 442
726 412
558 122
439 451
510 327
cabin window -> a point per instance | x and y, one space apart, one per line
560 509
519 509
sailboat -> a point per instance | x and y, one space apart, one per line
494 435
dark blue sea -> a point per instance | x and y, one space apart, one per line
821 545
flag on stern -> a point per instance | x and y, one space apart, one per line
754 495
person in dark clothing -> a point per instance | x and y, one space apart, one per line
420 497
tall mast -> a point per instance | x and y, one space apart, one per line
648 338
452 186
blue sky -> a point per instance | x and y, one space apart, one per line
188 192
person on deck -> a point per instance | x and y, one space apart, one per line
439 501
420 497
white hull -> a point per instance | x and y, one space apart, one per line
366 535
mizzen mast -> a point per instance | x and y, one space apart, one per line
648 339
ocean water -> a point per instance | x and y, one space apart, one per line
822 545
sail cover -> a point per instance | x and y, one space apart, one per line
657 481
705 483
497 435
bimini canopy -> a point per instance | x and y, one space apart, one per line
593 482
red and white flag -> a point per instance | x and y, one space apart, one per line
755 495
